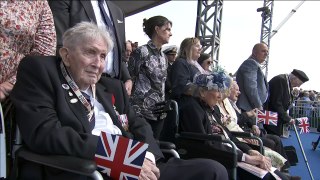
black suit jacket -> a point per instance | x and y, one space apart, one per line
279 101
51 124
67 13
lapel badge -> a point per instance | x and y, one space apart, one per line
74 100
120 22
65 86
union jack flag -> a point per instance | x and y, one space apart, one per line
119 157
304 125
268 117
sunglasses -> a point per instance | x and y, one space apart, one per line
209 62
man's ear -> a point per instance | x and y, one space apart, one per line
65 56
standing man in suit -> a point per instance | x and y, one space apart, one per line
61 109
281 98
105 14
252 82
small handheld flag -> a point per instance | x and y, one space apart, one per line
267 117
303 125
120 157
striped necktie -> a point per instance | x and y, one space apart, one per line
92 120
112 31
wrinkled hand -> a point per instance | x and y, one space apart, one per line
292 121
256 130
149 171
5 89
262 161
254 153
252 141
251 113
128 86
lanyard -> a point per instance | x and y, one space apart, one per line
76 90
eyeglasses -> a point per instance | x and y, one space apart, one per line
209 62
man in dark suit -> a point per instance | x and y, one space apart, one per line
61 109
281 98
67 13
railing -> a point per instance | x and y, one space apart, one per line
310 109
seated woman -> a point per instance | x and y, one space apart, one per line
247 122
229 119
198 116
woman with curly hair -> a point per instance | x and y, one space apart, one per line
148 69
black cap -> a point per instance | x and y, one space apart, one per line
300 74
171 50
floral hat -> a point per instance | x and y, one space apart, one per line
214 81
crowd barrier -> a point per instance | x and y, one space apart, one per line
310 109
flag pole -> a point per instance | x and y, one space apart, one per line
302 150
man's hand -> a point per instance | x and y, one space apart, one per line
255 130
128 86
254 153
292 121
149 171
5 89
251 113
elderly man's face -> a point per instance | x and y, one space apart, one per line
261 53
128 51
234 92
86 62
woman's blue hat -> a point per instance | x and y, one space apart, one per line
214 81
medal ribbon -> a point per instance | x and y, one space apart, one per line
76 90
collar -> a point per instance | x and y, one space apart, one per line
154 48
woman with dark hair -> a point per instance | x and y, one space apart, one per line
148 69
205 61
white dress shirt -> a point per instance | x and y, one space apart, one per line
108 68
103 122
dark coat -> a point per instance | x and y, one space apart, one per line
51 124
193 118
279 101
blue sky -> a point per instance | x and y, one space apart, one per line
294 46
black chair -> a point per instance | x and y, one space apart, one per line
66 163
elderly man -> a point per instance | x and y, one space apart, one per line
128 51
281 97
61 108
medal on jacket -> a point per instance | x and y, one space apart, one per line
77 92
123 119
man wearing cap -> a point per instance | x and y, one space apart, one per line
281 97
171 54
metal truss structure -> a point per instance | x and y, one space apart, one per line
209 13
266 26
